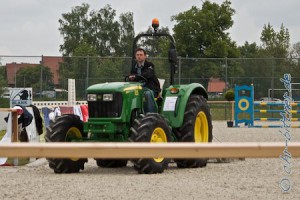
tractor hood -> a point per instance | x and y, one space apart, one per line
114 87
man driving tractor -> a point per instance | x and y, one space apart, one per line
143 71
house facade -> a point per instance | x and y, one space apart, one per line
52 62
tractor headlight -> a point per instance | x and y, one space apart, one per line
91 97
108 97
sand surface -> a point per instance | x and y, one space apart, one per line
237 179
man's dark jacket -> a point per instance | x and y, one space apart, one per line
148 72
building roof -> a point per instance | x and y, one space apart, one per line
216 85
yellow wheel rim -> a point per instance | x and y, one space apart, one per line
73 132
201 128
158 136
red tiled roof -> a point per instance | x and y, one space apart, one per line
216 85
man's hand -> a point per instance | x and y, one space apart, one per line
131 77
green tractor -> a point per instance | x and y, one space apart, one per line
116 114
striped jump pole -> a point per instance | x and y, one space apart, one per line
274 126
274 119
274 103
276 111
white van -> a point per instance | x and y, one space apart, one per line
6 93
268 99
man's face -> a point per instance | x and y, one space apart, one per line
140 56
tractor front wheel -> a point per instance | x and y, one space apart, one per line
64 129
153 128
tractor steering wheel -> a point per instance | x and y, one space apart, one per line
137 78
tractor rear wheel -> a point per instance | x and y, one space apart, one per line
197 127
64 129
111 163
153 128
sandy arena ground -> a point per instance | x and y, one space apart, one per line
248 179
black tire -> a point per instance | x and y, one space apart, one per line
62 130
111 163
196 127
150 127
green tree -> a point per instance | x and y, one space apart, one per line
202 32
3 83
155 46
249 50
98 29
31 77
252 64
295 61
88 34
294 54
275 44
73 28
104 31
126 34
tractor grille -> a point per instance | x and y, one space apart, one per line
102 108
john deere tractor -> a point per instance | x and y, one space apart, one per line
116 114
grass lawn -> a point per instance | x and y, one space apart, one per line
2 133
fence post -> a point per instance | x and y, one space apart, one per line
232 110
226 66
15 132
87 72
179 70
14 126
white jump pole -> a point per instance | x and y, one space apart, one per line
148 150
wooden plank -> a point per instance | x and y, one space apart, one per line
7 110
148 150
14 127
232 110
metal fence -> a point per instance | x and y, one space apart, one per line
263 73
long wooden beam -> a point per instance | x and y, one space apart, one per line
148 150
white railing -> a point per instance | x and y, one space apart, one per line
55 103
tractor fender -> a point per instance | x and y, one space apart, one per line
174 104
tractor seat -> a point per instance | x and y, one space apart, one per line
161 85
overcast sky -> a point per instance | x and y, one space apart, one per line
30 27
